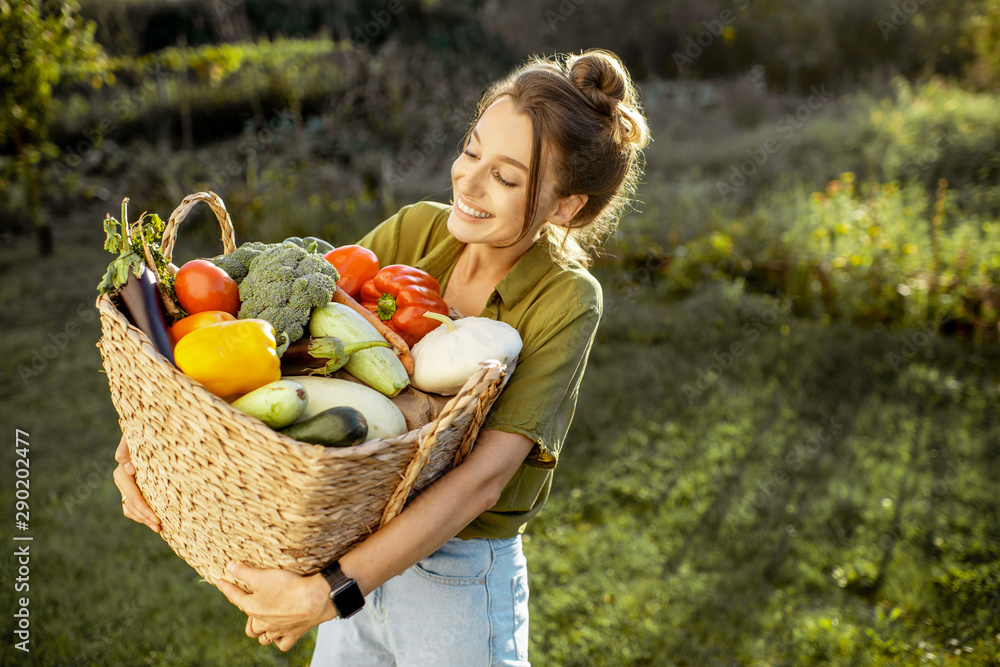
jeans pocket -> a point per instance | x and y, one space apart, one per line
448 580
457 563
519 593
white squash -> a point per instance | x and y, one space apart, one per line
384 419
445 358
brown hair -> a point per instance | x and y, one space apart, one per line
586 109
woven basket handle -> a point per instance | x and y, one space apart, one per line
215 203
474 390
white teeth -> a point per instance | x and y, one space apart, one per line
471 211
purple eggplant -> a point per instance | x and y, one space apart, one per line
141 296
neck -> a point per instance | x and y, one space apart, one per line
484 263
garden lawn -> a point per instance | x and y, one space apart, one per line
819 494
747 488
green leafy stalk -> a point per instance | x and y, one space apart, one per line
137 245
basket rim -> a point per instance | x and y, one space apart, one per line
107 308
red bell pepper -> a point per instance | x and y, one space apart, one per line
400 295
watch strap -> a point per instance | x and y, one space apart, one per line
344 592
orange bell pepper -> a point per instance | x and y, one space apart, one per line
400 295
186 325
230 358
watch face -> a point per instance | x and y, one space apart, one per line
348 599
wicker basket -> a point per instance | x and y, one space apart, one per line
226 487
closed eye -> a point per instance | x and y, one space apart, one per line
503 182
496 174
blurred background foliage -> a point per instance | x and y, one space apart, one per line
815 245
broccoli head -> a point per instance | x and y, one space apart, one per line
237 263
283 285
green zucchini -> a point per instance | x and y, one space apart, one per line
334 427
377 367
385 420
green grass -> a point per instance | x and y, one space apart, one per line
694 521
103 590
812 505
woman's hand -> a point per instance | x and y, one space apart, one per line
281 606
134 506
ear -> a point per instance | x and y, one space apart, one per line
566 209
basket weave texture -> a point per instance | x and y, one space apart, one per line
227 487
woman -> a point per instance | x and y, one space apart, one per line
549 163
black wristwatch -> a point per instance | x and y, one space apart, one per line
344 593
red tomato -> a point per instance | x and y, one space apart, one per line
201 286
356 266
186 325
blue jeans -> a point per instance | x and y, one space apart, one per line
465 605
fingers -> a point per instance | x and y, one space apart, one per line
134 506
243 601
124 456
262 635
249 629
287 642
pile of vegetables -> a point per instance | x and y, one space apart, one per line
265 326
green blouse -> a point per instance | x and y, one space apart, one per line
555 310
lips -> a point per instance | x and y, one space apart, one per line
474 212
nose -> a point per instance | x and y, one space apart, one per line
468 176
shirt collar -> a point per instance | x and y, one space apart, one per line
525 274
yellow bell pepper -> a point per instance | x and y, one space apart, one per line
231 357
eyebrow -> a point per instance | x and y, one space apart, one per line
502 158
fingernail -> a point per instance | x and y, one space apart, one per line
231 567
129 468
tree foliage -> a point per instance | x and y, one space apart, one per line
42 45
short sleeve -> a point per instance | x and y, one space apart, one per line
540 398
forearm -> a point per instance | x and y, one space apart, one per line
439 513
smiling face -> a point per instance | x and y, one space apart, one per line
490 181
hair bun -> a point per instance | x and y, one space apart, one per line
601 76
